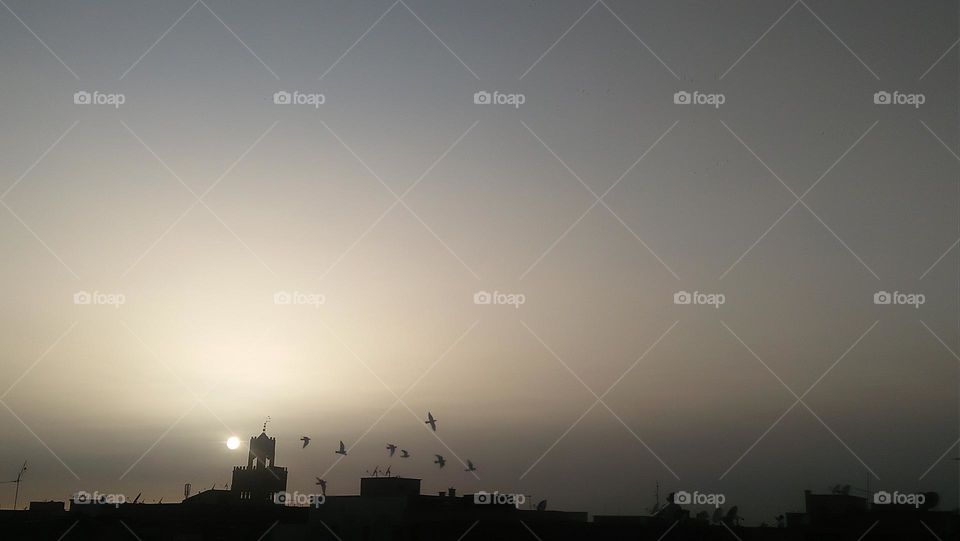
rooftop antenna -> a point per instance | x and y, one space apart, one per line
16 481
267 420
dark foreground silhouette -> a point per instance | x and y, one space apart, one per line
258 508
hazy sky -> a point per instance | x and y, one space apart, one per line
199 198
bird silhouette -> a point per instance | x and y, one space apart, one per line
392 447
306 441
323 486
431 421
404 453
342 450
470 466
440 460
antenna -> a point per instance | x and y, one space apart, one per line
16 481
267 420
186 490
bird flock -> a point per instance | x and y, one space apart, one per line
391 448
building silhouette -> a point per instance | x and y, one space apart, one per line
261 480
394 509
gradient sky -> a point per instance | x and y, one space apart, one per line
104 398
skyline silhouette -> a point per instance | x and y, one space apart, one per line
589 251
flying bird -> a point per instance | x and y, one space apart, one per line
392 447
404 453
440 460
342 450
470 466
323 486
306 441
431 421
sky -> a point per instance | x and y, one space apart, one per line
183 199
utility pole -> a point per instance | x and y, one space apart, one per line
16 496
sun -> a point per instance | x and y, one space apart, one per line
233 442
